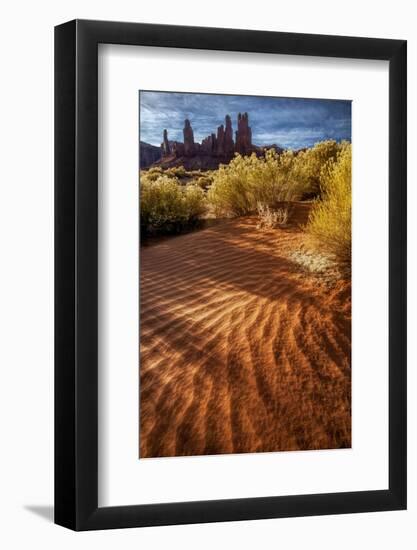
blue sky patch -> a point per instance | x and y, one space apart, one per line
288 122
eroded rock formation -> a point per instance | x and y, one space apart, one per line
220 141
229 146
218 145
243 135
148 154
189 148
166 149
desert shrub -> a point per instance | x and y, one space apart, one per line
230 192
268 218
166 205
176 171
204 182
239 186
310 163
330 219
195 202
152 174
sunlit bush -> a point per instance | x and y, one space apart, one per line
203 181
230 192
238 187
176 171
194 173
330 219
195 201
311 161
166 205
152 174
271 179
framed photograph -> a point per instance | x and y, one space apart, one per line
230 254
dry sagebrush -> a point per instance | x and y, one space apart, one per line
165 204
330 221
275 178
269 219
246 181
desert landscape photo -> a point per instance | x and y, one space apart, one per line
245 274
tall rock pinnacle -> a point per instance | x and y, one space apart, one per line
243 134
229 145
218 145
188 139
165 145
220 141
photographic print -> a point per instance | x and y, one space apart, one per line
245 274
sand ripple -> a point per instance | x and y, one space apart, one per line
239 352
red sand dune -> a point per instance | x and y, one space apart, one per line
240 351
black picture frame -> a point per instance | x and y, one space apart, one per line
76 273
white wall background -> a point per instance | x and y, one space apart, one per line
26 289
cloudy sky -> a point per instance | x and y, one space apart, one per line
289 122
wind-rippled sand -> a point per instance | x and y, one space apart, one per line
240 351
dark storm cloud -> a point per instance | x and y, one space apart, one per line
289 122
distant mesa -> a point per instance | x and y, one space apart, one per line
215 149
148 154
